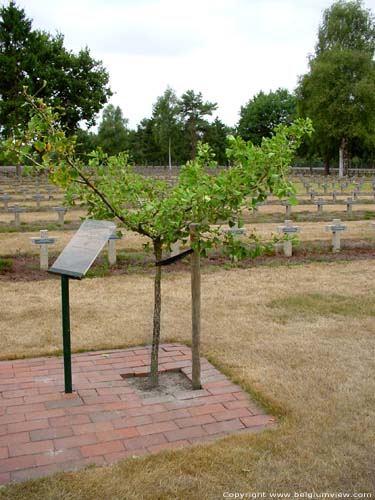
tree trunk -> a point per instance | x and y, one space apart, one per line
343 157
154 369
326 165
169 154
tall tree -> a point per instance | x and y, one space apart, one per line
264 112
166 125
113 134
193 111
216 135
338 93
32 58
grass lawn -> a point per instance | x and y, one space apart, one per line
300 338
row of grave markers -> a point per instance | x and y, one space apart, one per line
336 228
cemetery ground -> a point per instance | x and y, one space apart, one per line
298 338
296 333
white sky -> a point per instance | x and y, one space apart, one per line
227 49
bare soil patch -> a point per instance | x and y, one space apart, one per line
171 383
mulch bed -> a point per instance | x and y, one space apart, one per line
26 267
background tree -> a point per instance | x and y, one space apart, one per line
264 112
113 135
166 125
338 93
216 135
32 58
193 111
154 208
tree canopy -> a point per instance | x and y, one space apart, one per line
264 112
76 83
338 92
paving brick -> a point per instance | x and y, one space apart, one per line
54 433
146 410
37 415
75 441
9 419
231 414
156 428
5 478
197 420
125 433
131 421
258 420
69 420
142 442
101 448
18 437
242 403
104 420
20 449
16 463
57 456
28 426
19 393
63 403
227 425
206 408
223 390
170 415
93 427
25 408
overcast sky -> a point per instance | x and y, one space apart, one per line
227 49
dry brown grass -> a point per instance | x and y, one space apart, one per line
282 332
43 216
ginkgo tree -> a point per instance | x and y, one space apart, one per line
110 189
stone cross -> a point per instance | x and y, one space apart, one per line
112 254
38 197
288 228
5 199
336 228
235 230
17 214
61 211
334 194
43 241
288 207
319 203
349 205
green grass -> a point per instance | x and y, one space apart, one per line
6 265
317 304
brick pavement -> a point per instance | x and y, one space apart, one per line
43 430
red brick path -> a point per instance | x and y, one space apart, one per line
43 430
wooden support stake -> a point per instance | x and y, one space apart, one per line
195 308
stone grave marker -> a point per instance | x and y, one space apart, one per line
17 214
336 229
43 241
349 205
320 203
5 199
61 211
288 228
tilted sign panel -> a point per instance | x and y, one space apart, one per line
78 256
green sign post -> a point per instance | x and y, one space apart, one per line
74 262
